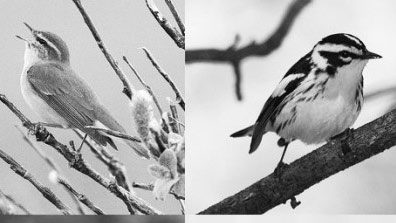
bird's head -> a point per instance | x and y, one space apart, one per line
45 46
341 51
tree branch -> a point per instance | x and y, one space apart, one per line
78 163
234 55
76 196
128 88
179 97
176 36
366 141
45 191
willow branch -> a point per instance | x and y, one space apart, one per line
179 97
145 85
78 163
128 88
175 14
77 197
116 168
176 36
234 55
15 203
271 191
45 191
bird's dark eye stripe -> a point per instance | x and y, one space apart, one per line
40 40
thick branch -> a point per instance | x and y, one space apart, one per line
78 163
128 88
367 141
177 37
234 55
45 191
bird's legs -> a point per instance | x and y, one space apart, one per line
281 165
343 136
82 143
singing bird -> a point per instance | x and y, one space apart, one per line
59 96
319 97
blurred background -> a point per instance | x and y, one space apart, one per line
289 218
220 166
125 26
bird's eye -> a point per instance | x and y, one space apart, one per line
41 41
345 54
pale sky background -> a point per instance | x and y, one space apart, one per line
125 26
220 166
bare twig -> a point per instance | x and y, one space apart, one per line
128 88
234 55
45 191
81 197
148 88
365 142
15 203
116 168
175 14
78 163
177 37
77 197
385 91
179 97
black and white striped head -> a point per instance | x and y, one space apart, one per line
339 50
45 46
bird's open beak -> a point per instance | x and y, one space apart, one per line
370 55
30 29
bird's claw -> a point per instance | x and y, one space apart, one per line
280 168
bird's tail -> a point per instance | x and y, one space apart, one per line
109 122
244 132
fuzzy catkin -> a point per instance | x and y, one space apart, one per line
142 112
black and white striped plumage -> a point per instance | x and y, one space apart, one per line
319 97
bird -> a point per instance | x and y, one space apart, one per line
59 96
318 98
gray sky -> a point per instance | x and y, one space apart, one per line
125 27
220 166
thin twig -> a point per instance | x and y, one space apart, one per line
45 191
365 142
15 203
115 133
234 55
128 88
78 163
175 14
177 37
179 97
174 117
145 85
116 168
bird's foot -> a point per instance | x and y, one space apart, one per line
280 168
294 202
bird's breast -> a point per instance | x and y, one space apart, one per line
38 105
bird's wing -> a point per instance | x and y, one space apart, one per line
287 85
64 92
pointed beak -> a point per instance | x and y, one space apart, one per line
370 55
29 27
21 38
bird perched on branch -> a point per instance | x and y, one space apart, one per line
59 96
319 97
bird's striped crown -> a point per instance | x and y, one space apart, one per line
340 49
47 46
